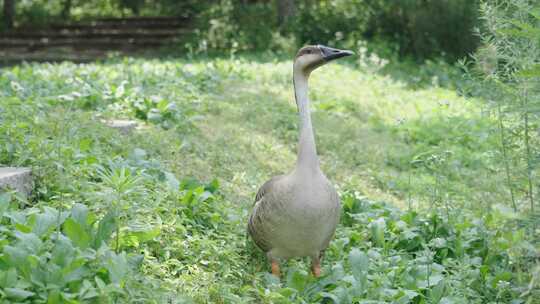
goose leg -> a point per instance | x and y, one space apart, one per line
275 268
316 266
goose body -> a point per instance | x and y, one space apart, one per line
295 215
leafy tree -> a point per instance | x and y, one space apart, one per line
507 67
9 13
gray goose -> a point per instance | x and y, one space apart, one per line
295 215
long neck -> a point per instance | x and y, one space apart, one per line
307 152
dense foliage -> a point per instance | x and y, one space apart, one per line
507 73
122 218
422 29
419 28
439 190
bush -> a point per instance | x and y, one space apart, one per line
338 22
422 29
427 28
58 256
505 73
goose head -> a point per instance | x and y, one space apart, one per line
311 57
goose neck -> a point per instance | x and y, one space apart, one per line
307 152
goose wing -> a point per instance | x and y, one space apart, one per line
261 206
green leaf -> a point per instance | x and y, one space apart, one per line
29 242
377 231
172 182
45 221
54 297
334 298
79 214
138 233
359 262
13 256
100 284
75 272
76 233
85 144
5 198
213 186
436 293
118 267
296 279
531 72
106 227
287 292
433 280
63 252
17 293
535 12
8 278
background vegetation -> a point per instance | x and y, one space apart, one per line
416 28
436 163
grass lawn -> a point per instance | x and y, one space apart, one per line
159 215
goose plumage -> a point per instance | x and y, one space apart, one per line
295 215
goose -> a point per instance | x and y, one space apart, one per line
295 215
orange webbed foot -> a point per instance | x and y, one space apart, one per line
316 267
275 268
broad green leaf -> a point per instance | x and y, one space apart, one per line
8 278
17 293
63 252
533 71
15 257
54 297
213 186
100 284
85 144
79 213
535 12
45 221
77 233
296 279
287 292
377 231
118 267
76 273
147 235
106 227
334 298
28 241
172 182
436 293
5 198
135 260
16 217
359 263
433 280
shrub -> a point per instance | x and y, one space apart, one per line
505 73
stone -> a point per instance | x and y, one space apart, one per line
124 126
18 179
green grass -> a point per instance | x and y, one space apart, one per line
414 163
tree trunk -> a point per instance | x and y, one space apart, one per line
286 10
9 13
66 9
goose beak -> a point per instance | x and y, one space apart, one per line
330 54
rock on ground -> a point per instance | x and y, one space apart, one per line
125 126
18 179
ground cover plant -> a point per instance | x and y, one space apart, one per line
438 188
159 215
